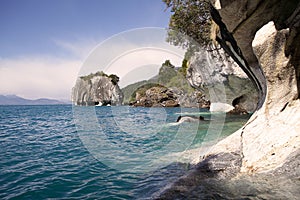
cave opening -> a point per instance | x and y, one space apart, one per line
237 100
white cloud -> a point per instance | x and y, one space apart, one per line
81 48
127 64
127 54
36 77
44 76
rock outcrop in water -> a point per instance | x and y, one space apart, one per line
222 80
97 89
197 84
261 160
159 96
156 96
169 88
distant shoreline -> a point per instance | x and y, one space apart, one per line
16 100
63 104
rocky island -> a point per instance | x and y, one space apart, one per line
169 88
193 85
97 89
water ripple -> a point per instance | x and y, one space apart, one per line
42 157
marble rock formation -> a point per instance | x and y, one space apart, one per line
98 90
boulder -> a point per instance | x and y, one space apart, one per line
160 96
156 96
220 107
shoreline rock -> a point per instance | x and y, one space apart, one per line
159 96
273 131
261 160
216 74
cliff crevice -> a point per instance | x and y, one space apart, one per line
272 54
267 148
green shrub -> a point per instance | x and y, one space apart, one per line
114 78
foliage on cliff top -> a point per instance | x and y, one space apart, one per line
166 72
168 77
114 78
129 90
190 24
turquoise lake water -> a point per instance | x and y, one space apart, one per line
68 152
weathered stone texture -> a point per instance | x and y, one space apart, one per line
98 90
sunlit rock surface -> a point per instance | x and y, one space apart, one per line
222 80
99 90
273 132
261 160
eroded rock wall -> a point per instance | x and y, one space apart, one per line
273 132
261 160
99 90
221 79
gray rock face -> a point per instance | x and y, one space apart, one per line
194 100
204 179
158 96
212 66
99 90
273 132
223 79
215 178
267 148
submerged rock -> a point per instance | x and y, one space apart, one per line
181 119
217 177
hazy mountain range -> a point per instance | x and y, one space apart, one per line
16 100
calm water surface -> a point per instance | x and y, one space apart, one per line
44 152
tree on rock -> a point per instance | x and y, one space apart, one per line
189 18
114 79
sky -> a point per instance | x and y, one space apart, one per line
44 44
